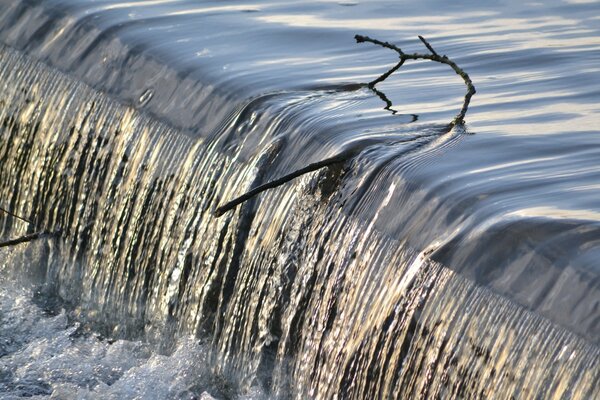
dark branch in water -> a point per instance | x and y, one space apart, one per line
426 43
28 238
388 104
434 56
15 215
280 181
386 75
361 39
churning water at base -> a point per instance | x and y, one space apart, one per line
388 276
44 351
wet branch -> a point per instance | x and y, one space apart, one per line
426 43
386 75
15 215
434 56
280 181
26 238
388 104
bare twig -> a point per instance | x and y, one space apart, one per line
388 104
384 76
28 238
434 56
426 43
280 181
15 215
361 39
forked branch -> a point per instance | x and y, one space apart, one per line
434 56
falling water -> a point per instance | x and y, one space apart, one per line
325 287
291 291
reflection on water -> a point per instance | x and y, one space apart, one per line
458 263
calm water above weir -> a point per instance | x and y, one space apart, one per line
459 263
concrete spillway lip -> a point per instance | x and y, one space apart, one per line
195 97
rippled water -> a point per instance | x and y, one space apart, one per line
462 253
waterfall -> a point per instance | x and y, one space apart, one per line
296 290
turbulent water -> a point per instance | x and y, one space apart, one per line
433 262
45 352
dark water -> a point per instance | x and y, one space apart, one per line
458 263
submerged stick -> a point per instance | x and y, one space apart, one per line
15 215
388 104
434 56
28 238
280 181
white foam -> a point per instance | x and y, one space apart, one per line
42 356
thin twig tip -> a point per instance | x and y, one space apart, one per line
429 47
